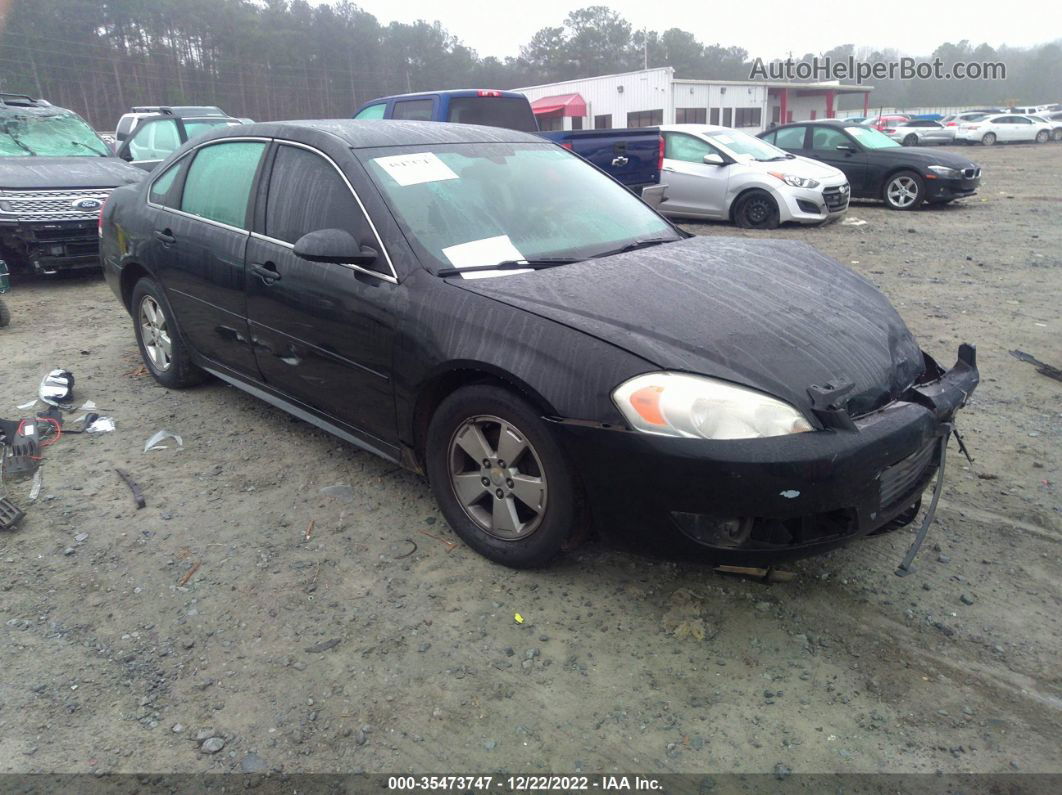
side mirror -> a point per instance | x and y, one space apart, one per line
336 246
714 160
846 148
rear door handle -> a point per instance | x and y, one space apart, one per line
165 237
267 272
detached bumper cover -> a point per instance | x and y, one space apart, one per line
804 493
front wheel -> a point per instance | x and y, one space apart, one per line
161 346
1043 137
988 139
1057 134
757 209
5 315
904 191
501 480
910 140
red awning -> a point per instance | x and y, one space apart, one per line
565 104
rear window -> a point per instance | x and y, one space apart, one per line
219 181
413 110
512 113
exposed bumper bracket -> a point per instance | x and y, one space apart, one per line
906 566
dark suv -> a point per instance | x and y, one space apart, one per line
55 174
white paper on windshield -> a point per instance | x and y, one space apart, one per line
416 168
488 251
725 139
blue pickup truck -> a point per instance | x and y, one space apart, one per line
633 157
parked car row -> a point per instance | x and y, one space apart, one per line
985 126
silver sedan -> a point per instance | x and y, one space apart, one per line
921 132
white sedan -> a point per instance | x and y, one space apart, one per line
1003 128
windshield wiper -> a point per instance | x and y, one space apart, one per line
776 158
18 142
511 265
91 149
634 246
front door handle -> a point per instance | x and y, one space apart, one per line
267 272
165 237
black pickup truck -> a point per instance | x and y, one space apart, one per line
55 175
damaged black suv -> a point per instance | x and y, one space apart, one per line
55 174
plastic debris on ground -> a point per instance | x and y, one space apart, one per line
154 442
853 222
341 491
35 489
10 514
57 388
101 425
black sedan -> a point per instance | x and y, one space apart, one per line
877 167
486 308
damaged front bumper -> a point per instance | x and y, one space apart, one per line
51 246
754 501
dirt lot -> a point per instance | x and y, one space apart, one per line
375 644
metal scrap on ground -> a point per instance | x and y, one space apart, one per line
1041 367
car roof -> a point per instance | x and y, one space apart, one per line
696 128
376 132
451 92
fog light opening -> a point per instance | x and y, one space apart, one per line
712 531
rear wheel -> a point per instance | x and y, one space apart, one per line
910 140
161 346
5 315
756 210
904 191
1043 137
501 480
988 139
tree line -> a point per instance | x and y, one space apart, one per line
276 59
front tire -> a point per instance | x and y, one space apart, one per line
904 190
161 346
5 314
757 209
988 139
501 480
1043 137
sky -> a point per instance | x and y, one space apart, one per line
766 28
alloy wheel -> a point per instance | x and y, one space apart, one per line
902 191
989 139
497 477
155 334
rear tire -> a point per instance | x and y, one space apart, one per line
528 507
757 209
1057 135
910 140
5 314
988 139
904 190
161 346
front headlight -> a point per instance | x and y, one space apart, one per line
692 406
944 171
794 181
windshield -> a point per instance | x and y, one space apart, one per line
871 138
739 145
61 134
468 205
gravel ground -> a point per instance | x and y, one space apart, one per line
214 631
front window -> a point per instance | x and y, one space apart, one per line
55 134
741 146
372 112
871 138
464 205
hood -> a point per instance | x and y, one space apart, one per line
775 315
56 173
802 167
924 155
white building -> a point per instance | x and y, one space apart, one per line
655 96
